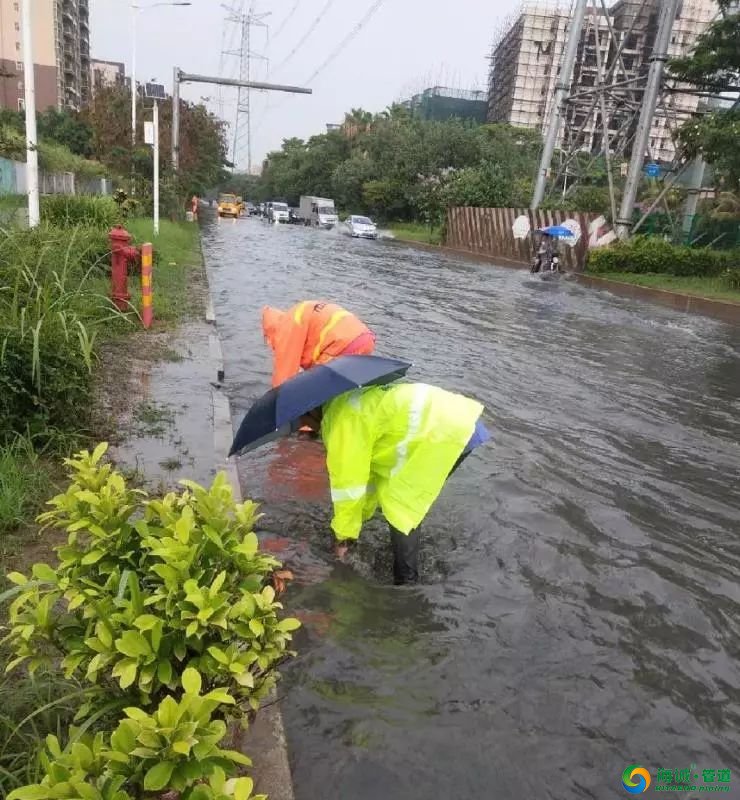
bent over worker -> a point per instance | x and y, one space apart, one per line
394 447
312 332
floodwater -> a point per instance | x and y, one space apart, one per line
581 604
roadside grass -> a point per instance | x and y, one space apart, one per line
416 232
55 320
30 709
711 288
55 315
25 484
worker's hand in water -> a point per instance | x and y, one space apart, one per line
340 550
280 580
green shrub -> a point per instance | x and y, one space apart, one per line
176 747
146 588
68 211
731 278
163 609
643 255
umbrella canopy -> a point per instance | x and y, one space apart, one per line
275 412
560 231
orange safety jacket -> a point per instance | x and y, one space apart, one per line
312 332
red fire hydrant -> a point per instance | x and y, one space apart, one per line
121 254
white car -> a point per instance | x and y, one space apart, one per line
279 212
362 227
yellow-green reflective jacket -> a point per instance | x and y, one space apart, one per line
392 446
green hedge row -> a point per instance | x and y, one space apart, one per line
643 255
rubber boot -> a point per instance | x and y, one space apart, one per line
405 556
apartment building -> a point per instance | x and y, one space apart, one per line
524 66
106 73
526 59
61 51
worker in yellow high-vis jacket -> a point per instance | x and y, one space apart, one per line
394 447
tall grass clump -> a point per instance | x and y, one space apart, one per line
31 708
71 210
24 484
50 318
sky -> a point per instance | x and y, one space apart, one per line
405 47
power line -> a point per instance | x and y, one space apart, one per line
311 28
347 39
287 19
334 54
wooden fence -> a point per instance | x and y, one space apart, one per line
488 231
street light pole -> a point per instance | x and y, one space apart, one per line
135 8
134 12
32 154
155 118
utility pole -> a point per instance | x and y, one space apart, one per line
176 78
134 93
155 119
243 106
558 106
183 77
32 153
696 181
668 13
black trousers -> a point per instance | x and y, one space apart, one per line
406 547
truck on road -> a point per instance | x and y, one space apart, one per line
318 212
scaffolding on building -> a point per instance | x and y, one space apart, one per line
617 47
440 103
598 114
524 62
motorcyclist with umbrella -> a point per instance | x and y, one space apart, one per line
387 446
547 257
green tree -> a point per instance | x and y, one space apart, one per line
202 141
388 165
68 128
714 65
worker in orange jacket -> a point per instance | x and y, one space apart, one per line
312 332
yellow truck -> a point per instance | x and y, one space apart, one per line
228 205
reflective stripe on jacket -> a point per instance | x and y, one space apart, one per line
392 446
310 333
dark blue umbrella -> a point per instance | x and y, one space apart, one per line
559 231
277 410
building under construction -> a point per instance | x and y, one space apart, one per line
615 48
441 102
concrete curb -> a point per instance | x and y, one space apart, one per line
264 741
725 311
501 261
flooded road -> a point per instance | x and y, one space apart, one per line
581 604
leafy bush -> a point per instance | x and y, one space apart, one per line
163 608
53 156
643 255
67 211
146 588
731 279
175 747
